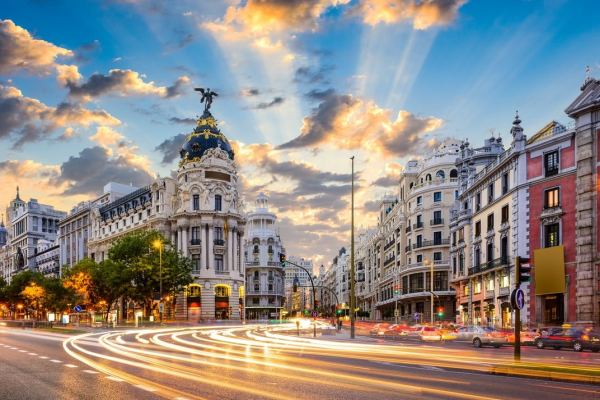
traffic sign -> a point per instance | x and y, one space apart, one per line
78 308
314 314
396 313
517 299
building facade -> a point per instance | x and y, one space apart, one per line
199 211
301 299
265 292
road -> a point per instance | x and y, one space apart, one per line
255 362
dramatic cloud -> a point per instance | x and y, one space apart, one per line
387 181
422 14
25 119
183 121
20 51
28 169
259 17
170 148
106 136
311 75
88 172
349 122
118 82
320 95
275 102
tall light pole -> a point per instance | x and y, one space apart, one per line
159 245
427 261
352 294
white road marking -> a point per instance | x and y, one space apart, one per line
181 398
70 366
146 388
89 371
32 354
56 361
114 378
43 357
432 368
22 351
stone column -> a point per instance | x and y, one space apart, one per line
208 302
229 249
204 249
179 240
234 302
211 251
234 239
184 240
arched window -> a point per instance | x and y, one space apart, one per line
428 177
270 249
194 291
440 174
411 185
221 291
255 251
453 173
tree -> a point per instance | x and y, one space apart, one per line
14 292
59 298
137 254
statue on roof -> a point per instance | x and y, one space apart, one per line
207 97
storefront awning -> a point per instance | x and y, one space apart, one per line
549 270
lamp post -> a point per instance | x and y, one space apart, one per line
158 244
352 293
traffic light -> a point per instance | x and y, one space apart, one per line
295 285
522 270
282 259
440 312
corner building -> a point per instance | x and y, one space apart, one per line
199 210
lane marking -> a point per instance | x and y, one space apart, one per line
22 351
89 371
146 388
114 378
56 361
32 354
70 366
43 357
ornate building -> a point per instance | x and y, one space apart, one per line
199 210
264 274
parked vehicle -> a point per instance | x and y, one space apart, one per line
480 336
573 338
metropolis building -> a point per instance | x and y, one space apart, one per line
198 209
264 274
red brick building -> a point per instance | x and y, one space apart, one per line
551 179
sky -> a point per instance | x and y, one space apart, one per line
99 91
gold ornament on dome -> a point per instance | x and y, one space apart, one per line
210 121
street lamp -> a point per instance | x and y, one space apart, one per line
158 244
352 286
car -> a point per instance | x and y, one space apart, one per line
480 336
573 338
380 329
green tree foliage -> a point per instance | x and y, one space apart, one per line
139 253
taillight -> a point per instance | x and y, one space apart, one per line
585 337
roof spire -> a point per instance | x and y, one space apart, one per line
18 198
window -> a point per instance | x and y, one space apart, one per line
490 284
477 228
219 267
504 281
461 263
477 287
217 202
454 238
490 251
270 287
437 218
419 258
437 197
477 257
505 183
551 163
196 202
478 202
419 200
466 290
551 198
221 291
419 241
454 265
255 300
505 214
437 256
195 235
504 250
551 235
218 233
195 263
455 194
490 192
461 235
490 222
453 174
428 177
437 238
255 275
419 221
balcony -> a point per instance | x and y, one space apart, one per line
489 294
407 248
428 243
388 245
418 225
221 272
504 291
437 221
551 171
408 229
475 270
219 242
195 242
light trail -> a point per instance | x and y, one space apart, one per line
190 362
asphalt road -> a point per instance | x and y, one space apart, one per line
251 362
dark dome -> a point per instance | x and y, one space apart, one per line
205 136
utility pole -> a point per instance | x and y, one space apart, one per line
352 293
158 244
517 354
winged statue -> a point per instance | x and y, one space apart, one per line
207 97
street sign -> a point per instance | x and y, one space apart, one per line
396 313
78 308
161 306
314 314
517 299
416 316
